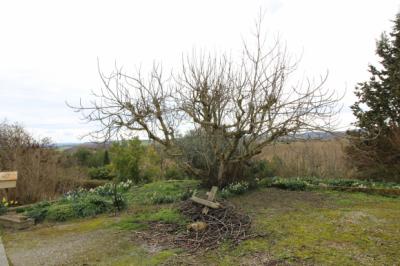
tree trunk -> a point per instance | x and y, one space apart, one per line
221 172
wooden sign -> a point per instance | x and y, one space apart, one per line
8 179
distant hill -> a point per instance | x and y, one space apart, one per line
318 135
90 145
302 136
74 146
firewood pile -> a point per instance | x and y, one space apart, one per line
210 229
209 224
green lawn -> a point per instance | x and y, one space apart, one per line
297 227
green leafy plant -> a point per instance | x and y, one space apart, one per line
81 203
235 189
173 172
38 211
102 173
60 212
290 184
91 205
163 191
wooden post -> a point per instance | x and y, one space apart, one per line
210 197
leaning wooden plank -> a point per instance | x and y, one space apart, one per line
214 205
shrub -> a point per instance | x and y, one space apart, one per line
100 173
40 172
265 182
91 205
163 191
235 189
60 212
173 172
91 183
81 203
38 211
126 157
259 169
290 184
132 160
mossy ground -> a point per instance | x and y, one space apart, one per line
321 228
297 227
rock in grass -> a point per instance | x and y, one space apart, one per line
197 226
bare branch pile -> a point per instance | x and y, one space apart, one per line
224 223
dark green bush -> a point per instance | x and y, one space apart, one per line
100 173
90 157
259 169
91 183
60 212
91 205
174 173
38 211
290 184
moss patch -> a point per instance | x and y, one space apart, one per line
328 228
140 221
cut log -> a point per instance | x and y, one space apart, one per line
214 205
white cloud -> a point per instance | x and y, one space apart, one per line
49 49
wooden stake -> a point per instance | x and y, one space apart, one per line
210 197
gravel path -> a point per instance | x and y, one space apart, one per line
87 242
3 257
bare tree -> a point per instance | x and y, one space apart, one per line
240 106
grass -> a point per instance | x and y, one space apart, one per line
312 183
322 228
141 220
318 227
162 192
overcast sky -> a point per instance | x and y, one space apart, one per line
49 49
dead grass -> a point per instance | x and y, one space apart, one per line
320 158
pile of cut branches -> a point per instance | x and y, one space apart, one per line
223 223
